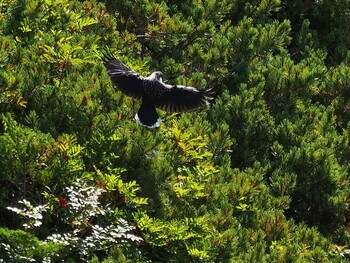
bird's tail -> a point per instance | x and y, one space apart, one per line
147 116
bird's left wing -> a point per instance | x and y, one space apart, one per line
178 98
127 80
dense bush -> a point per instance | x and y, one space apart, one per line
262 175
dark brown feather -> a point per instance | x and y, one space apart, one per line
126 80
178 98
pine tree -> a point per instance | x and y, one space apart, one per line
260 176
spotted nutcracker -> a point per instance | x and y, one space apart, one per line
153 92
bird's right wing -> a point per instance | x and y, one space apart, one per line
127 80
179 98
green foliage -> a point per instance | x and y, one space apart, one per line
15 243
260 176
328 22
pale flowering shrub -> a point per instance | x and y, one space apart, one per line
92 226
33 214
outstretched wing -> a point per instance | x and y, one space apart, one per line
127 80
178 98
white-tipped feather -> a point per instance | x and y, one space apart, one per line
155 125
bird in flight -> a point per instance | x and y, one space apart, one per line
154 93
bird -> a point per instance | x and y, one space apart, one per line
154 93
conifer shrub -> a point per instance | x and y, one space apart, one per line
259 176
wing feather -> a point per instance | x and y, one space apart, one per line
127 80
178 98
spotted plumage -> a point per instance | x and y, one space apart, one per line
154 93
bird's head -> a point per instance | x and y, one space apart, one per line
157 75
